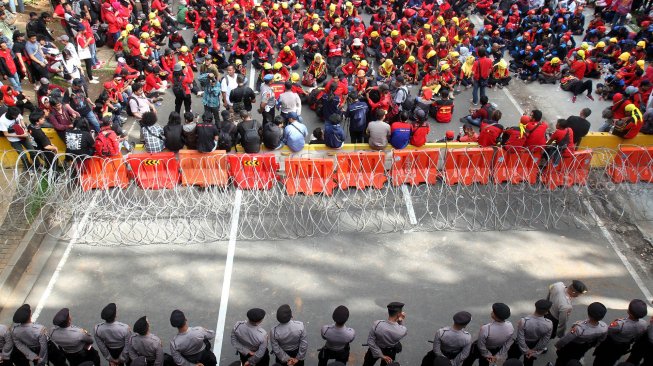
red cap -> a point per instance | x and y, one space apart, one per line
531 12
524 120
450 135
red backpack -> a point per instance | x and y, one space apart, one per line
106 144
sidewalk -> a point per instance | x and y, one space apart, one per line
14 225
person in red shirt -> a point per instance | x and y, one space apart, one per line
535 131
334 53
444 108
420 129
8 68
578 66
385 99
629 126
490 130
13 98
560 144
350 68
287 57
515 137
550 72
154 87
481 73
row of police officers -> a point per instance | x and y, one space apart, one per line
26 342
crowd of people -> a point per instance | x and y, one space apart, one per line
26 342
356 74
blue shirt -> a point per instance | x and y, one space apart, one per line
294 135
35 49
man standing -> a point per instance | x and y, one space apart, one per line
78 100
289 101
579 124
288 339
211 96
561 297
242 97
14 130
112 337
494 339
268 100
337 337
533 334
583 335
191 346
75 342
622 333
385 336
145 344
453 343
250 340
229 83
481 73
31 341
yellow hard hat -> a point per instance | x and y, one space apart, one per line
155 23
600 44
443 39
455 20
238 61
298 6
316 16
251 26
151 15
332 7
284 5
286 49
429 37
181 63
294 77
374 34
454 54
641 44
427 26
555 60
277 77
402 43
444 67
201 40
316 28
430 54
278 65
440 19
267 66
624 56
630 108
236 6
275 6
641 64
363 63
145 35
349 4
411 59
123 34
183 49
264 24
613 40
581 54
129 27
394 33
356 57
584 45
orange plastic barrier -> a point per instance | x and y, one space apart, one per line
361 170
632 164
155 171
103 173
515 166
571 170
253 171
203 169
309 176
468 166
415 166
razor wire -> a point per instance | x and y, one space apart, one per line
124 213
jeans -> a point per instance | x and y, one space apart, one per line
477 85
93 121
607 125
18 146
474 121
619 19
93 49
15 82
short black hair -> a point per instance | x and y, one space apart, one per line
35 116
288 84
496 115
149 119
585 112
189 116
537 115
484 99
12 113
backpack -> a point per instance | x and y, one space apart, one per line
251 135
105 145
225 141
130 112
177 88
408 102
490 108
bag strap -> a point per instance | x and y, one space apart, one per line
297 128
151 133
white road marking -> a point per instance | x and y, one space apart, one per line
622 257
62 262
409 205
513 101
226 281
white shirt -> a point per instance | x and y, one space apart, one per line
5 124
73 53
139 104
228 84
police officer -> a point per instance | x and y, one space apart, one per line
6 346
251 340
191 346
643 347
337 337
494 338
453 343
583 335
75 342
288 339
621 334
533 334
385 336
31 344
561 297
112 337
145 346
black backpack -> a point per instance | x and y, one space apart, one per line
225 141
130 112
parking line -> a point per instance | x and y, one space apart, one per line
409 205
64 258
226 280
622 257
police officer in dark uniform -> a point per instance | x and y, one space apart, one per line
494 338
191 346
582 336
385 336
251 340
533 334
112 337
622 333
453 343
337 337
75 342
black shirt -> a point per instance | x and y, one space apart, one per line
79 143
39 137
174 140
250 141
272 135
580 126
243 94
206 133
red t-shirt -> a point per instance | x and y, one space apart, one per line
490 132
418 134
565 134
578 69
536 134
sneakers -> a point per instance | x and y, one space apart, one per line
94 81
590 97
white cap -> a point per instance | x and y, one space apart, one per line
121 60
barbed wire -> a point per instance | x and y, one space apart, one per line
68 205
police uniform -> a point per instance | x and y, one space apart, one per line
31 341
248 336
145 348
582 336
192 346
112 337
643 348
6 345
453 344
75 342
337 337
621 334
561 306
494 339
533 334
384 338
288 338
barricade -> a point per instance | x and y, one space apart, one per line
309 176
632 164
253 171
468 166
570 170
414 166
103 173
155 171
203 169
515 166
361 170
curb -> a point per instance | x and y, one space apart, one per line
22 258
